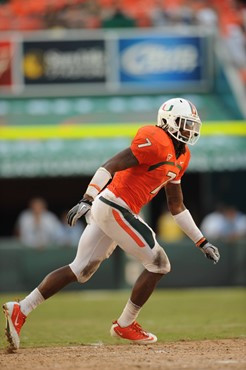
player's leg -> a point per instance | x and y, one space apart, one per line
16 312
135 237
94 247
144 287
126 326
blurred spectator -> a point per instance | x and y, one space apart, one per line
206 15
86 14
72 16
167 229
37 227
158 14
226 223
117 18
69 236
182 14
92 17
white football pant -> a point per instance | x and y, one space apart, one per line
112 223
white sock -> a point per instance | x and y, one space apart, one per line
129 314
31 301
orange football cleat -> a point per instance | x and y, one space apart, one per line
15 319
133 332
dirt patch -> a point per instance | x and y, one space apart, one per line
218 354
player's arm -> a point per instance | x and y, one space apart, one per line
121 161
174 197
103 175
185 221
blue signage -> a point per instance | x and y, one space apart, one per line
161 61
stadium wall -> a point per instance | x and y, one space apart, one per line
21 269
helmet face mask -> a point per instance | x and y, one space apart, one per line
179 117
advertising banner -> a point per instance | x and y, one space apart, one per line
106 63
162 61
59 62
6 55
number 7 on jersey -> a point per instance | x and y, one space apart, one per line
147 143
171 176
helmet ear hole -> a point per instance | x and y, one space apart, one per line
163 123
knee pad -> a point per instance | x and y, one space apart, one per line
160 263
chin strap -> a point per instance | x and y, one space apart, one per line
179 146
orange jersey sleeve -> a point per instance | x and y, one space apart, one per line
145 145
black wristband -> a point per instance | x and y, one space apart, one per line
84 200
203 243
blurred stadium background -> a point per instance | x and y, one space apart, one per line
77 78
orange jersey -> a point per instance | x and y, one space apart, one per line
158 165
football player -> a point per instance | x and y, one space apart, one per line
158 157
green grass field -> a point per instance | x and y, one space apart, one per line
85 317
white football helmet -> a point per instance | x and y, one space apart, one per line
179 117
